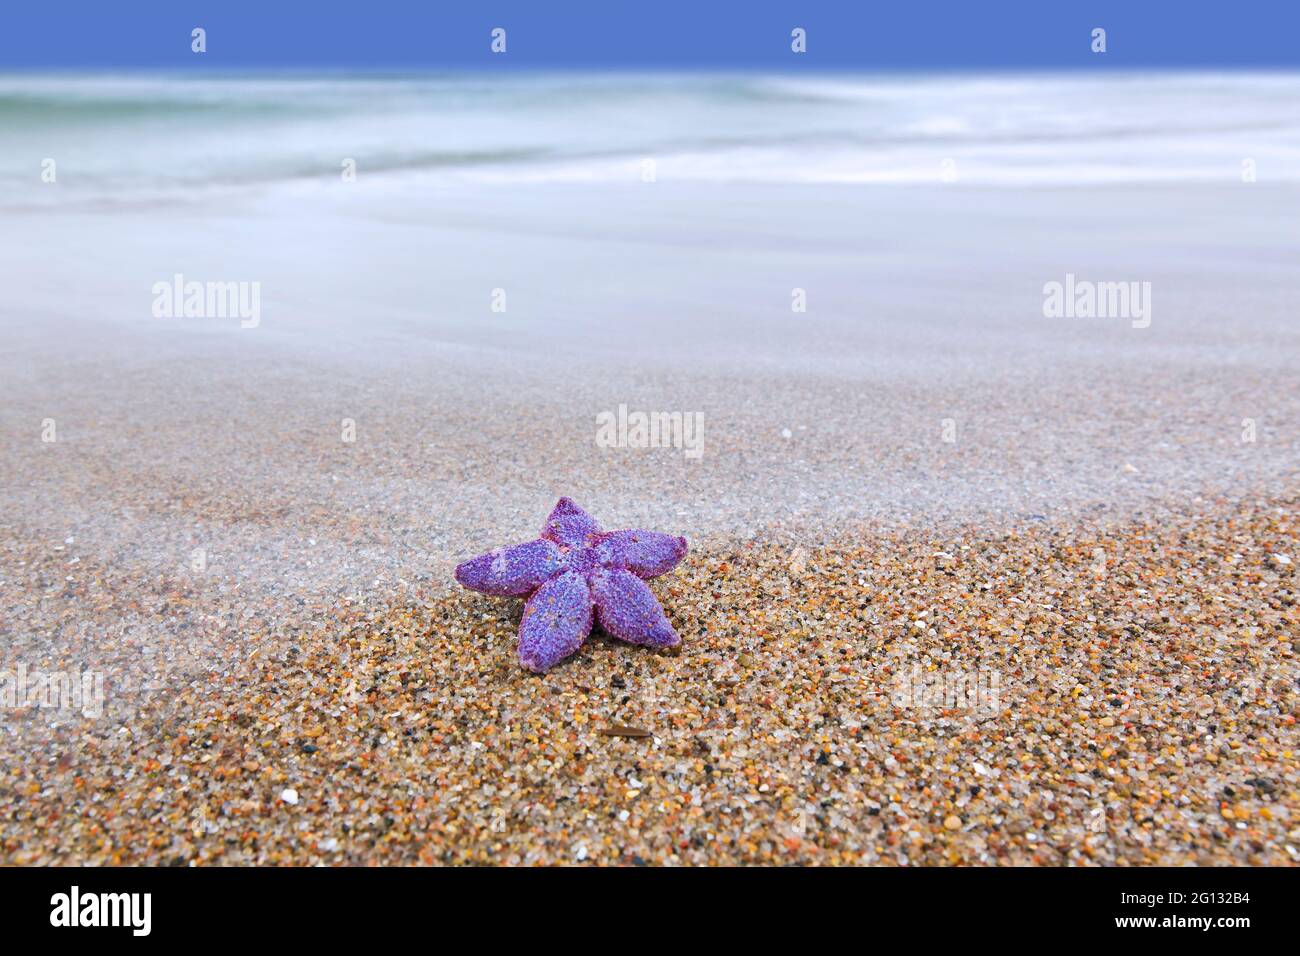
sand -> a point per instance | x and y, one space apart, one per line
1104 697
273 606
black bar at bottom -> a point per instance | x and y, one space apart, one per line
335 906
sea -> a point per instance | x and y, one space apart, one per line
145 137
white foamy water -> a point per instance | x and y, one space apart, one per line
120 138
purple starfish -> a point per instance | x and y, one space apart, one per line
571 569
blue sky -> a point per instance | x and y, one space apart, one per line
641 34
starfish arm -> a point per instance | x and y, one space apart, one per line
569 525
646 554
629 610
557 619
509 572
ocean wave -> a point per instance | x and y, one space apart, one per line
116 135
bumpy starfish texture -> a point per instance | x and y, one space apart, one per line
575 574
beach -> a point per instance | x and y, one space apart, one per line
968 583
1036 697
